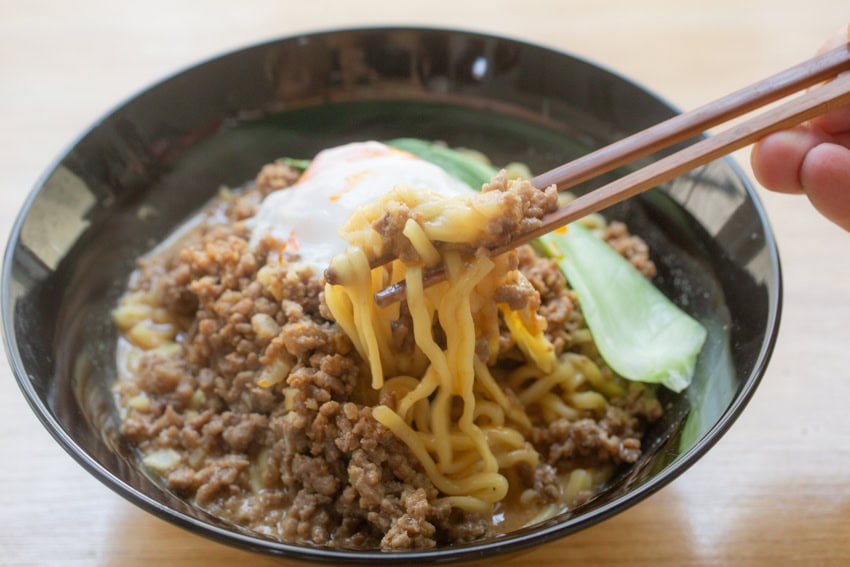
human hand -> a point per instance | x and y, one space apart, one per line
813 158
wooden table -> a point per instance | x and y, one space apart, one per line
774 491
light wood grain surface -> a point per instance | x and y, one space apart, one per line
774 491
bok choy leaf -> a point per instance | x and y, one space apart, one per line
640 333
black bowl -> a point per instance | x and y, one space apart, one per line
141 170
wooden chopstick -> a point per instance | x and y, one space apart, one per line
684 126
818 100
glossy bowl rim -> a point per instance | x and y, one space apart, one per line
503 544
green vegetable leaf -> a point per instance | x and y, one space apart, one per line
640 333
470 169
300 164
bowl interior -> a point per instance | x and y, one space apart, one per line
155 160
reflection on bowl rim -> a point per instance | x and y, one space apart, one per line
505 543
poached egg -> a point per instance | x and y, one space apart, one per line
306 217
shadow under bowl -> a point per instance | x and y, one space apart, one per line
153 161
